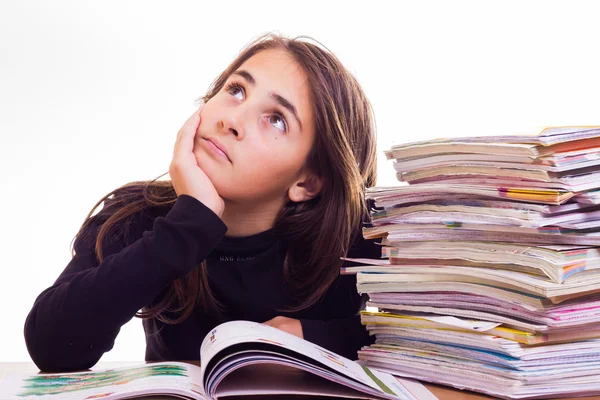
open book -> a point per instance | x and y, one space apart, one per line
238 358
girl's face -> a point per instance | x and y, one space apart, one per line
263 121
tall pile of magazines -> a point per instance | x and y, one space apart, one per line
490 276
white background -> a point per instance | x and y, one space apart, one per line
92 95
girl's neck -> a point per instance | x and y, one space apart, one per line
244 220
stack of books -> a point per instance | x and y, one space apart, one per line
490 276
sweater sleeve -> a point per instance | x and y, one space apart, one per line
341 330
76 320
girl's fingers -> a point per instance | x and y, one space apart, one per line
185 136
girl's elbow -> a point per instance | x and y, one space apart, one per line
49 355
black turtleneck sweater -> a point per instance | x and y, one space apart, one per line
76 320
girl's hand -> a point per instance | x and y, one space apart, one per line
187 177
289 325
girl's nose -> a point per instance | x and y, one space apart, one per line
232 122
228 126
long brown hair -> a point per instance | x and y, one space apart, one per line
318 231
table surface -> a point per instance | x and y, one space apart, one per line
442 392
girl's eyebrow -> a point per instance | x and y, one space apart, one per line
278 98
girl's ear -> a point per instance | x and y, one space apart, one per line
307 187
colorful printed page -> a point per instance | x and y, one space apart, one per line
167 378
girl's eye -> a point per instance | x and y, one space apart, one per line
235 90
278 119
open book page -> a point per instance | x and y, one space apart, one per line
289 350
165 378
294 381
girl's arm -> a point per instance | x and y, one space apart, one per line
76 320
341 332
340 329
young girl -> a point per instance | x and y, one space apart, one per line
266 194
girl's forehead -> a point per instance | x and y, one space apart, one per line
276 72
275 63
